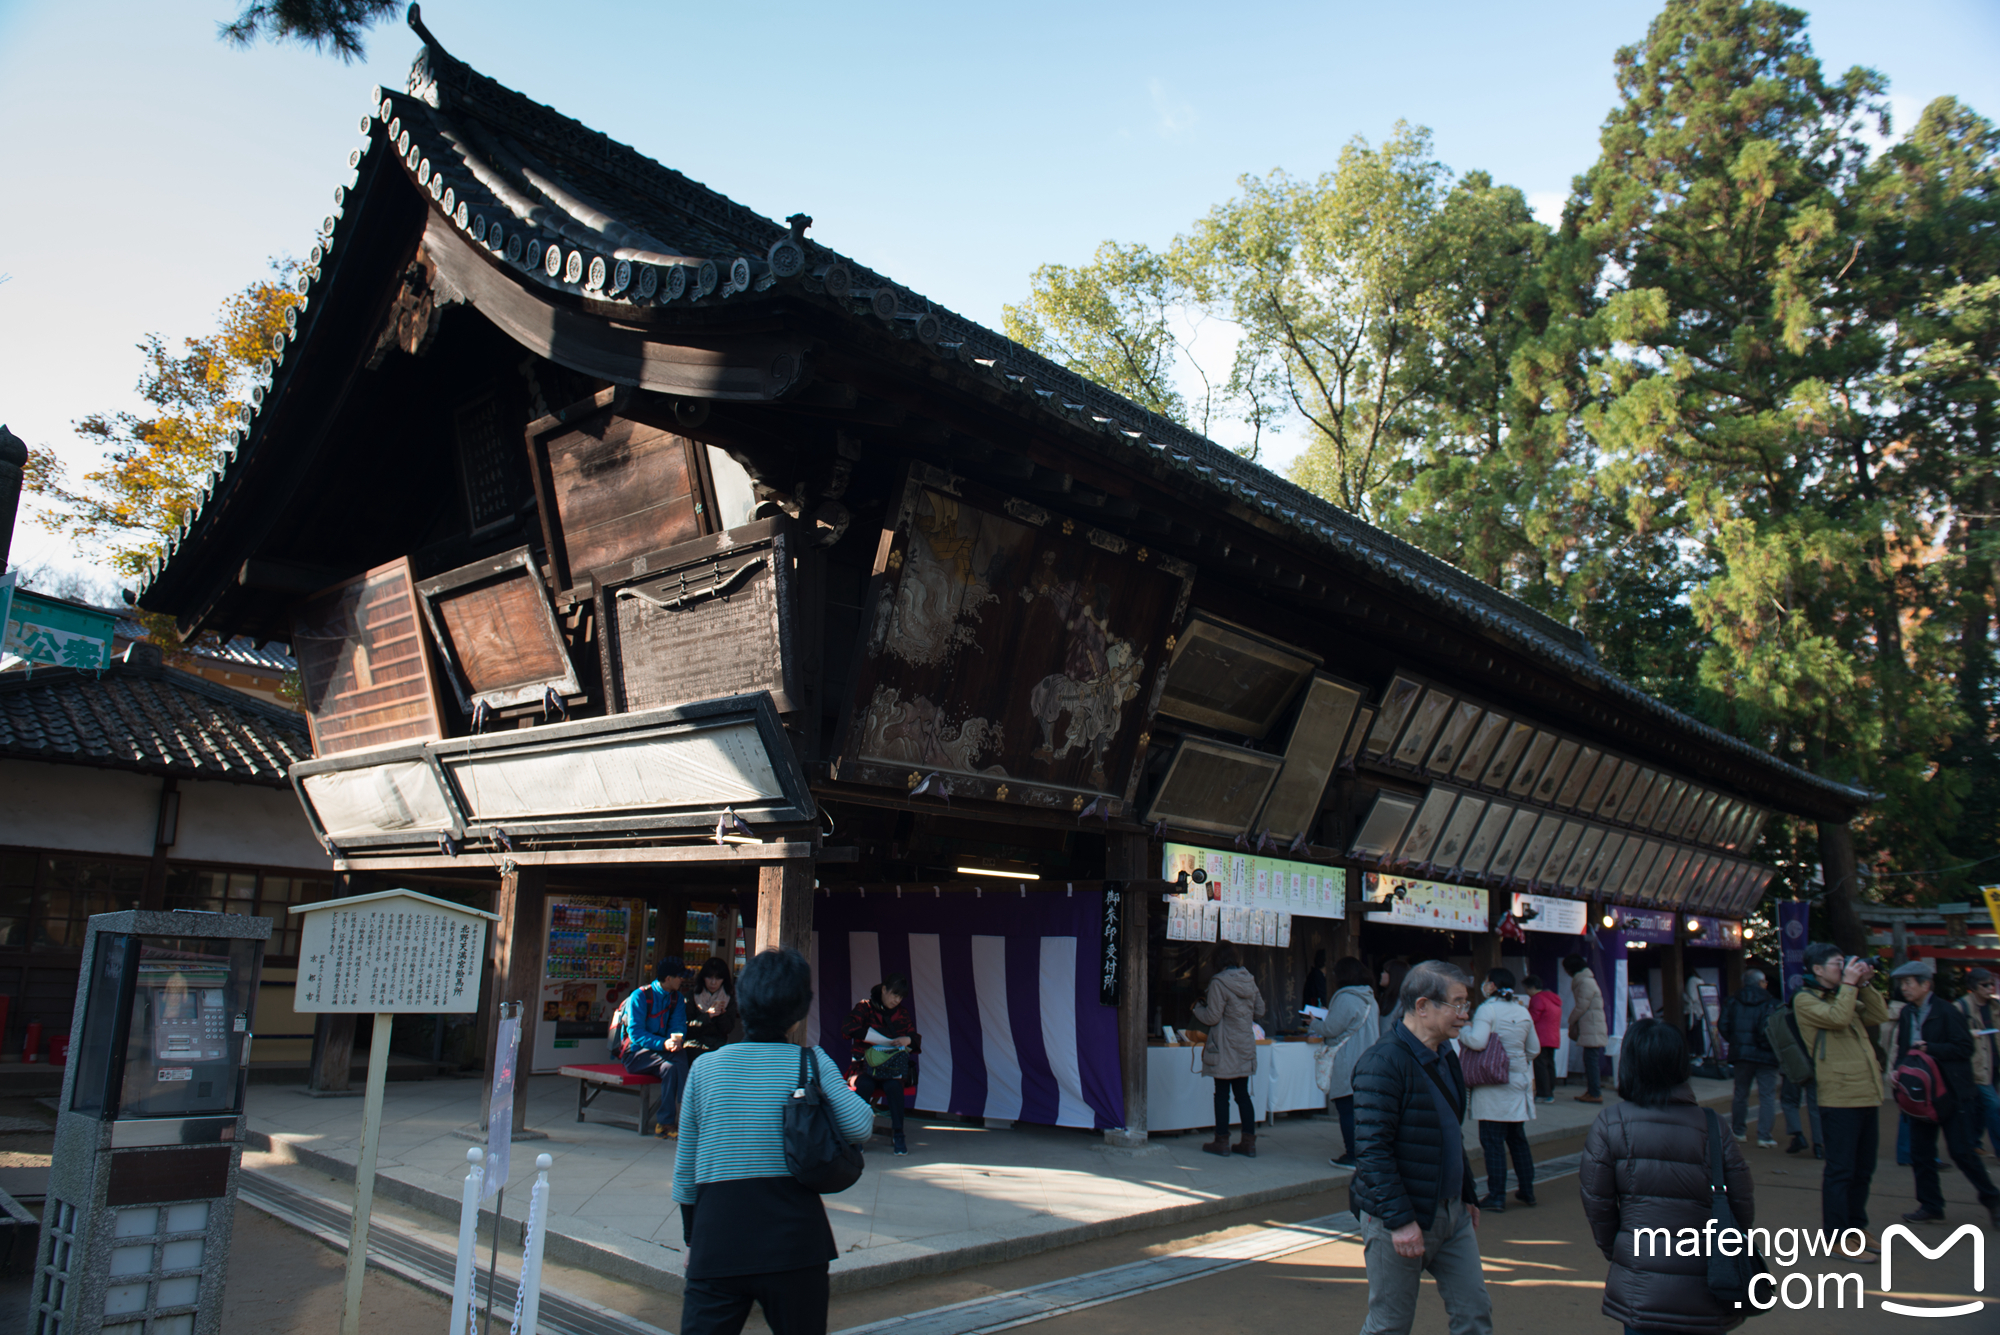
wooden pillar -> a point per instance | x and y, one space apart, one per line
785 914
519 940
1673 968
153 892
1486 949
332 1054
1126 860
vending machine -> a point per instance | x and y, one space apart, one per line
592 959
149 1133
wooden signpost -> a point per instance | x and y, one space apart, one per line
380 954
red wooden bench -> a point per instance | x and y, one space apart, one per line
595 1080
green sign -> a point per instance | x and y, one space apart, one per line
58 634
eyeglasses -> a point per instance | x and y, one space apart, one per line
1462 1007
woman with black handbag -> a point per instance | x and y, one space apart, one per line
1650 1163
755 1232
888 1066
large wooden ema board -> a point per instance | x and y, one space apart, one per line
364 666
1014 653
713 617
611 488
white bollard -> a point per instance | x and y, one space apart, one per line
528 1302
468 1233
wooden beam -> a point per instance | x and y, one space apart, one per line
784 914
519 939
1125 859
733 855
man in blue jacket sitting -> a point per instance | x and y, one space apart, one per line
1412 1188
655 1024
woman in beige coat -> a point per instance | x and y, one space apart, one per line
1587 1028
1230 1056
1503 1111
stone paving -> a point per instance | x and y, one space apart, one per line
965 1195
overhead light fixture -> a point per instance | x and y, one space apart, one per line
995 871
1610 921
1694 925
1749 933
1635 945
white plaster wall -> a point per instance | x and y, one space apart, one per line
110 811
44 805
235 822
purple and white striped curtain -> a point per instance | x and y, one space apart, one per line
1005 995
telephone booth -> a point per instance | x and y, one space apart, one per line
142 1188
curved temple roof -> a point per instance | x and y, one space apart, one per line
562 209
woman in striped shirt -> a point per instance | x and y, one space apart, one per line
754 1234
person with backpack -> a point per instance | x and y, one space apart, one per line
1795 1080
1745 1017
1982 1016
1933 1084
1836 1009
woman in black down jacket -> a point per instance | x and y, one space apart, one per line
1645 1166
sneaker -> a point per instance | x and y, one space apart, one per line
1344 1161
1494 1205
1525 1197
1739 1133
1590 1098
1923 1216
900 1147
1818 1153
1767 1143
1798 1144
1550 1099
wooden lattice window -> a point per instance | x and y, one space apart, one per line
363 665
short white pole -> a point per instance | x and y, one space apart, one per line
364 1173
468 1235
528 1306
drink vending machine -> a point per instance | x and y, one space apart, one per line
149 1134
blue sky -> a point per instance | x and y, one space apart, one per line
149 170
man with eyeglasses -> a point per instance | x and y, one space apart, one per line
1412 1189
1837 1011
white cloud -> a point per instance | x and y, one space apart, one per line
1171 116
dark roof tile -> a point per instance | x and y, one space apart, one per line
155 720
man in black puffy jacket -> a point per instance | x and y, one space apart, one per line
1412 1189
1743 1019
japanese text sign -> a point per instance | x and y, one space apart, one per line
1253 881
394 951
57 634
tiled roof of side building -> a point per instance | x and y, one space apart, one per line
151 719
565 208
242 650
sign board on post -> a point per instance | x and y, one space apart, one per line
392 951
500 1109
1112 973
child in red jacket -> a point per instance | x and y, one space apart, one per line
1545 1008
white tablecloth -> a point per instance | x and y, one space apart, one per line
1180 1098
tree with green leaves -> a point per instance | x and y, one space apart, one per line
156 467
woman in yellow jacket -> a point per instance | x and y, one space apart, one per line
1836 1012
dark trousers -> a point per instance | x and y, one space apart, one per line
1545 1073
1593 1072
672 1068
892 1095
1957 1142
794 1302
1852 1137
1497 1140
1344 1106
1240 1087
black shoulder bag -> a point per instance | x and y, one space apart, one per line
1728 1276
815 1151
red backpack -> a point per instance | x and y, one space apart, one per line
1920 1088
